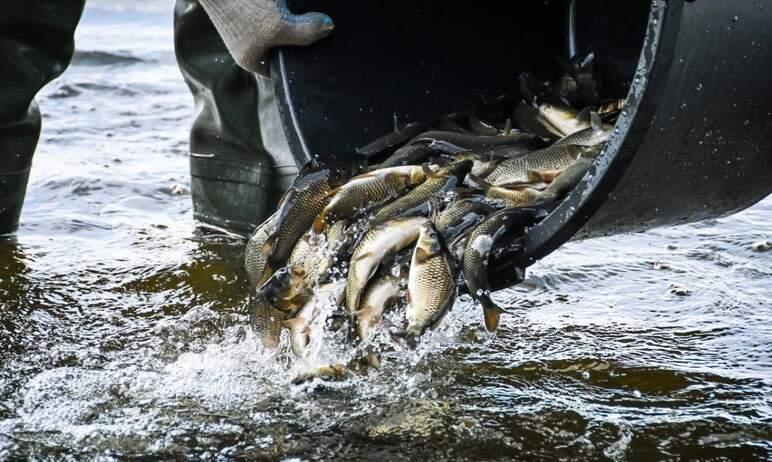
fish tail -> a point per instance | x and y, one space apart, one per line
320 223
265 276
491 314
507 127
479 182
408 335
373 359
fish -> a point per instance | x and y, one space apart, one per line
563 120
481 164
254 259
526 117
299 207
418 200
431 286
266 321
381 293
326 372
481 127
379 242
368 190
310 255
611 107
511 221
277 299
567 89
410 154
520 196
473 141
391 141
566 181
536 91
421 150
299 326
582 69
460 215
284 290
517 169
595 134
454 122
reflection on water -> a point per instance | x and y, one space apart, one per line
122 329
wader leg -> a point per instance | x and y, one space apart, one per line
234 180
36 45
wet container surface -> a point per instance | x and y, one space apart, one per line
123 332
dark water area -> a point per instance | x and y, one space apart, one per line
123 326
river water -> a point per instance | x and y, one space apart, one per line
123 331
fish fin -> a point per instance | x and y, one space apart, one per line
373 359
479 182
421 256
518 185
587 63
533 175
428 171
364 255
320 222
585 115
296 323
434 209
595 122
404 334
492 316
267 273
507 127
267 247
547 176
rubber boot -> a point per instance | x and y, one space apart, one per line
36 45
232 175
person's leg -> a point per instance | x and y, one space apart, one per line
232 176
36 45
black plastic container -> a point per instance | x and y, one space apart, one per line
692 143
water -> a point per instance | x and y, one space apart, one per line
122 328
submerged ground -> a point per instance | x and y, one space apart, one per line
123 329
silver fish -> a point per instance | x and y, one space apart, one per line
299 326
384 240
431 286
381 293
517 169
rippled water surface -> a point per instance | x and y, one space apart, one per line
123 329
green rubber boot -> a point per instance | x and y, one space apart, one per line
235 182
36 46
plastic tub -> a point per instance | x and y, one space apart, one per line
692 143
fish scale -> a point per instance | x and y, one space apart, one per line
516 170
266 320
444 180
254 259
515 197
368 191
461 214
299 207
431 283
381 241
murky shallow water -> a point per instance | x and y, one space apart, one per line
122 329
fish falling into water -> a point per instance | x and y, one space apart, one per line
420 215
